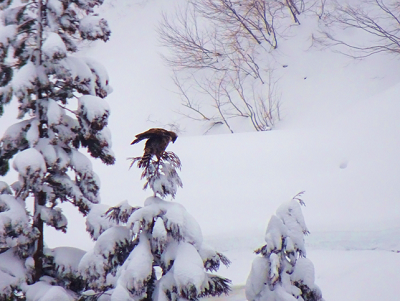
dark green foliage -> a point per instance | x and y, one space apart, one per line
4 167
307 293
96 149
6 74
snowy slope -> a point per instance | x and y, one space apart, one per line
338 141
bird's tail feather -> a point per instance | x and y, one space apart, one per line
145 160
135 141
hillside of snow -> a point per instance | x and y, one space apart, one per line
338 140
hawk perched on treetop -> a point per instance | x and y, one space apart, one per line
157 141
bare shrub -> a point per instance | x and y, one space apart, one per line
219 52
379 20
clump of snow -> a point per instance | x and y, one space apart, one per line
6 34
4 188
179 223
95 109
137 269
53 47
304 272
91 268
89 185
104 138
93 28
53 217
12 14
188 267
12 272
13 217
273 235
98 267
43 291
14 137
30 164
75 68
32 135
80 163
159 236
48 152
109 239
65 259
54 113
292 217
55 6
102 80
24 81
63 159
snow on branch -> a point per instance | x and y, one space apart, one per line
186 278
47 291
121 212
137 270
161 175
12 273
13 140
4 188
62 264
102 80
97 220
65 189
112 239
31 166
15 229
94 28
25 81
211 258
179 224
54 48
53 217
94 111
99 266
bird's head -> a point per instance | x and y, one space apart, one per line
173 137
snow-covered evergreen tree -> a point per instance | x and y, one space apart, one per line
282 272
61 108
155 252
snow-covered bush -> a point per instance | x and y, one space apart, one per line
38 69
151 253
283 272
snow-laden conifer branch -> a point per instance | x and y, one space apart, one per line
97 221
62 263
212 259
15 229
98 267
216 286
121 213
161 175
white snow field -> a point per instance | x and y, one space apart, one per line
339 141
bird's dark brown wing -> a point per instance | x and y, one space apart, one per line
149 134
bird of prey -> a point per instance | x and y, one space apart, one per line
157 141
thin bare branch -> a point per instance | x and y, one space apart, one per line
377 18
